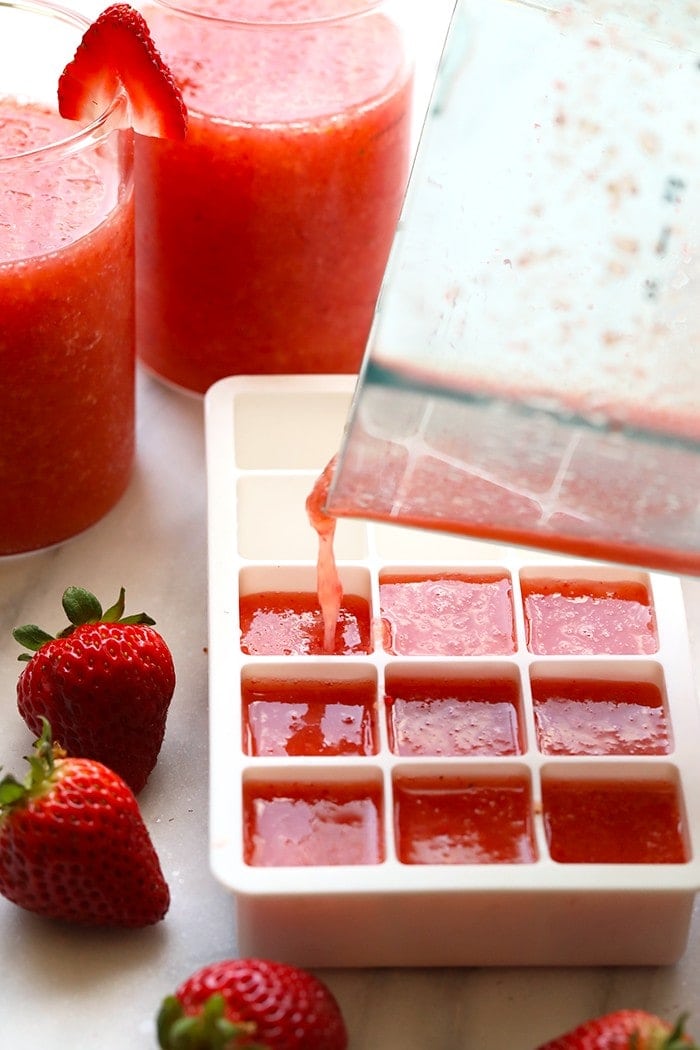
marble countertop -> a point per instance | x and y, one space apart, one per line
102 988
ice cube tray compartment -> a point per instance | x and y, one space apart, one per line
315 714
272 518
410 802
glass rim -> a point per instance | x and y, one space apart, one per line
86 136
356 10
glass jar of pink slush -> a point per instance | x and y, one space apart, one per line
262 238
67 316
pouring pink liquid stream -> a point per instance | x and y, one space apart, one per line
329 586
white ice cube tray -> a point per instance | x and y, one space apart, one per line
268 438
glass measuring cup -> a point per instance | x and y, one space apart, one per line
533 376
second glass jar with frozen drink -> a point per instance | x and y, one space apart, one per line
262 239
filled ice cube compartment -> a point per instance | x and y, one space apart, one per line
583 615
310 713
460 709
447 613
304 821
280 614
618 709
466 817
634 817
495 763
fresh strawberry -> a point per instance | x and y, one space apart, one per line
104 682
624 1030
252 1003
117 51
73 844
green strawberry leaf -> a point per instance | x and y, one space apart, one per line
141 617
11 791
115 614
81 606
31 637
116 611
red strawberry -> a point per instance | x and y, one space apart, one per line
251 1003
117 50
105 683
73 844
624 1030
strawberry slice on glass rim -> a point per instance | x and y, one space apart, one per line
118 52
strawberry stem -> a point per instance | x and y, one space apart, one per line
678 1039
209 1029
41 768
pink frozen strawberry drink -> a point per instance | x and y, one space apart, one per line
263 237
66 294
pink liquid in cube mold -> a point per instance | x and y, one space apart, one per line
309 718
587 717
452 820
450 615
456 717
281 623
613 822
586 617
294 824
